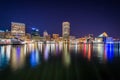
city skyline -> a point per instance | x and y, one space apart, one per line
85 17
18 26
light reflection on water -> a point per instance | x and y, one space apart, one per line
110 51
4 57
34 56
16 56
46 51
66 55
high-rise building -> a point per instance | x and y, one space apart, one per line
35 32
17 29
65 30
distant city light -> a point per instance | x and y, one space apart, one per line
33 28
37 29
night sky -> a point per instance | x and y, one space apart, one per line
85 16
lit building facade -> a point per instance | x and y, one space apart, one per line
8 35
17 29
48 38
65 30
103 38
2 34
72 38
45 34
28 36
55 36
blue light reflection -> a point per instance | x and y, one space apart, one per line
34 58
110 51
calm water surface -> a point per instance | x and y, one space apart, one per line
60 62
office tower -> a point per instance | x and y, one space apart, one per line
35 32
17 29
65 30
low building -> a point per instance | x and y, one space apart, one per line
28 36
109 40
72 37
35 38
82 40
99 40
8 35
2 34
55 36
